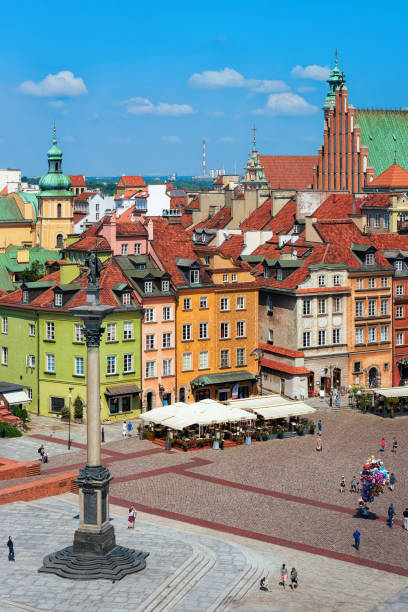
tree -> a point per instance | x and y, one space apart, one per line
33 272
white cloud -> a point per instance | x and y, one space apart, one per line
315 72
143 106
56 103
286 104
216 113
63 84
230 78
306 89
171 139
227 139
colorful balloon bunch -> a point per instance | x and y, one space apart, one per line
373 478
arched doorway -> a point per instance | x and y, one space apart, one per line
60 241
372 377
149 400
182 394
310 384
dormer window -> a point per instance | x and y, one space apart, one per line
266 272
58 299
194 277
165 286
322 280
398 265
126 299
148 287
279 274
369 259
25 296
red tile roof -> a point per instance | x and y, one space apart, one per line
258 218
134 228
78 217
84 196
4 191
77 180
232 246
88 239
289 171
279 350
390 241
194 203
381 200
283 367
283 222
218 221
394 176
132 181
178 202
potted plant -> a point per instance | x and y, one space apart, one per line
78 410
264 435
300 430
279 433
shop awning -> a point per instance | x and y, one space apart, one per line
391 391
278 366
261 401
273 406
122 390
16 397
222 378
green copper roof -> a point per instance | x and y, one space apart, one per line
335 80
30 198
9 211
54 183
385 132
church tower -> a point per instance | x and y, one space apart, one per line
254 177
55 203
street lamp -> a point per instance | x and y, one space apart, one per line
69 418
258 353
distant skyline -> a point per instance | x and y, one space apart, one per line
134 88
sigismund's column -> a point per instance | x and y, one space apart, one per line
94 553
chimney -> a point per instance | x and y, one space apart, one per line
150 230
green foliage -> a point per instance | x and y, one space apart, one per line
21 413
279 433
300 430
9 431
33 272
78 408
312 428
65 412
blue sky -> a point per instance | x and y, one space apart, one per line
134 87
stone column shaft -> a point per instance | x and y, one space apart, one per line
93 407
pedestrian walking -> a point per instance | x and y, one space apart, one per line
319 425
358 486
405 515
383 443
124 430
319 443
394 445
10 544
129 428
353 485
293 578
356 536
131 517
284 575
392 481
41 452
391 515
342 485
263 585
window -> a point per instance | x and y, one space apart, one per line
150 343
224 358
359 335
111 364
194 277
307 307
49 330
357 367
384 307
150 369
79 333
266 273
207 260
128 330
360 283
30 393
399 312
224 330
31 329
371 282
128 362
240 357
336 304
149 315
126 299
400 338
306 338
377 220
279 274
372 307
372 334
336 280
166 340
322 280
203 303
187 362
369 259
165 286
368 219
386 221
137 248
167 370
166 313
30 361
398 265
49 362
79 366
57 404
187 331
384 333
58 299
270 335
203 363
322 306
384 281
124 249
240 329
322 337
203 331
187 304
4 355
400 290
359 309
111 332
148 287
336 336
59 208
233 277
225 278
25 298
4 325
270 305
240 302
224 304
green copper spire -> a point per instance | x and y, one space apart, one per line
336 80
55 181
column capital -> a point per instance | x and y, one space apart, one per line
93 336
